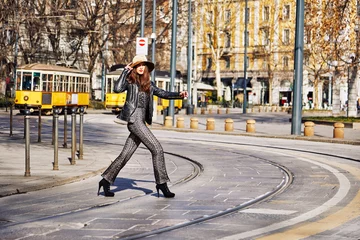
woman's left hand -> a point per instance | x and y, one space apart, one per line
184 94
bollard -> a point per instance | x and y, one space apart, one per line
56 138
195 110
210 110
338 130
250 126
194 123
168 121
229 125
11 120
65 127
180 122
309 129
39 124
210 124
73 135
27 142
218 111
227 111
81 133
202 110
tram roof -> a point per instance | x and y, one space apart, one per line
47 67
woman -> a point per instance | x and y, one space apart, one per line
138 109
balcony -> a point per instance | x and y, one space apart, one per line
260 51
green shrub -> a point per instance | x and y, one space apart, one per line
6 102
97 104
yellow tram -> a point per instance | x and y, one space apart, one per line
116 101
41 85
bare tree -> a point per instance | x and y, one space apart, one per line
217 33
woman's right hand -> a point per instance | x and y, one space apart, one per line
127 67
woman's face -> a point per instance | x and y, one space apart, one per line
140 68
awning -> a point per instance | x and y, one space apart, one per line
203 86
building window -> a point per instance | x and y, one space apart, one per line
208 62
266 13
209 39
228 16
246 39
286 62
209 18
265 37
286 37
286 12
227 62
227 40
248 15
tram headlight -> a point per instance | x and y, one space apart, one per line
26 98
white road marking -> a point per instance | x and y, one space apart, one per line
344 187
268 211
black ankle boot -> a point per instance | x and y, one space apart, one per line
165 190
106 186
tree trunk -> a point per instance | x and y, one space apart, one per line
352 101
336 94
218 80
316 93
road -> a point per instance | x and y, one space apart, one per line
227 187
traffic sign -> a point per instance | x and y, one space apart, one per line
141 46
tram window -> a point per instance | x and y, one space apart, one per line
108 85
26 83
56 83
160 84
18 81
72 84
44 82
36 83
66 83
50 84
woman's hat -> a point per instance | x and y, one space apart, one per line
142 59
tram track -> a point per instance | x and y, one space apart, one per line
265 197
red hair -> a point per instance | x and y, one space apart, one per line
142 80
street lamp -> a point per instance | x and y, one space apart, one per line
245 56
190 107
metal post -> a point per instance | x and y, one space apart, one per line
173 57
53 127
190 107
27 142
11 120
81 133
153 39
142 22
73 135
103 73
25 111
65 127
348 89
298 69
56 138
245 57
39 124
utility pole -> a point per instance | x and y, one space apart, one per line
173 57
142 21
245 56
298 65
190 107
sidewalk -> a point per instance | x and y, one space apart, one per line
12 159
271 125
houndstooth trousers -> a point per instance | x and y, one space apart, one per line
139 133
